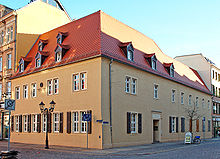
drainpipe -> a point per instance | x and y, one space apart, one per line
110 96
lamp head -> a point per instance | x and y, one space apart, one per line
41 105
52 105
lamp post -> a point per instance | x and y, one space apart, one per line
47 111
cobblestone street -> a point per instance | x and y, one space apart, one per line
209 149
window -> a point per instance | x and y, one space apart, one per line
8 61
130 55
34 123
216 75
0 64
83 123
0 91
25 91
56 86
76 82
203 103
75 122
208 103
203 124
173 124
83 81
156 91
17 92
133 122
58 54
127 84
11 32
34 90
182 98
9 89
214 109
38 62
133 86
2 38
8 34
17 123
173 96
171 72
21 67
190 99
44 122
213 74
209 125
154 64
49 87
25 123
197 102
182 124
56 122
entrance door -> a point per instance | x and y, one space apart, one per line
155 130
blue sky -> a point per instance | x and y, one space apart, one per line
178 27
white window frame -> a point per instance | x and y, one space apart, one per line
197 102
130 55
173 124
38 62
44 122
190 100
16 123
76 82
134 124
9 61
83 81
8 35
9 88
56 86
156 91
133 86
25 91
75 122
49 87
182 97
33 90
58 56
25 118
203 103
17 92
11 33
56 122
173 91
127 84
83 124
34 123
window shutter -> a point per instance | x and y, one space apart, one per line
170 124
20 123
177 124
61 123
29 123
90 123
128 122
139 123
12 123
68 122
39 123
197 125
182 124
190 125
49 122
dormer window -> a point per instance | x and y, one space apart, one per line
23 63
128 50
58 54
152 60
38 60
60 37
41 44
170 68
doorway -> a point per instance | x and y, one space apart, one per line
156 131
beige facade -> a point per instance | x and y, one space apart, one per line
131 102
19 29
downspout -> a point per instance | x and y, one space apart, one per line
110 97
15 39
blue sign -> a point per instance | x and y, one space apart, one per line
86 117
9 104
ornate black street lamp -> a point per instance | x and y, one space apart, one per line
47 111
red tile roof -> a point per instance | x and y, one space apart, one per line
84 39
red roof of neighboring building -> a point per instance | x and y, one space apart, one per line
84 39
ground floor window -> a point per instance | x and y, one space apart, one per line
134 122
56 122
34 122
83 123
25 123
182 124
173 124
